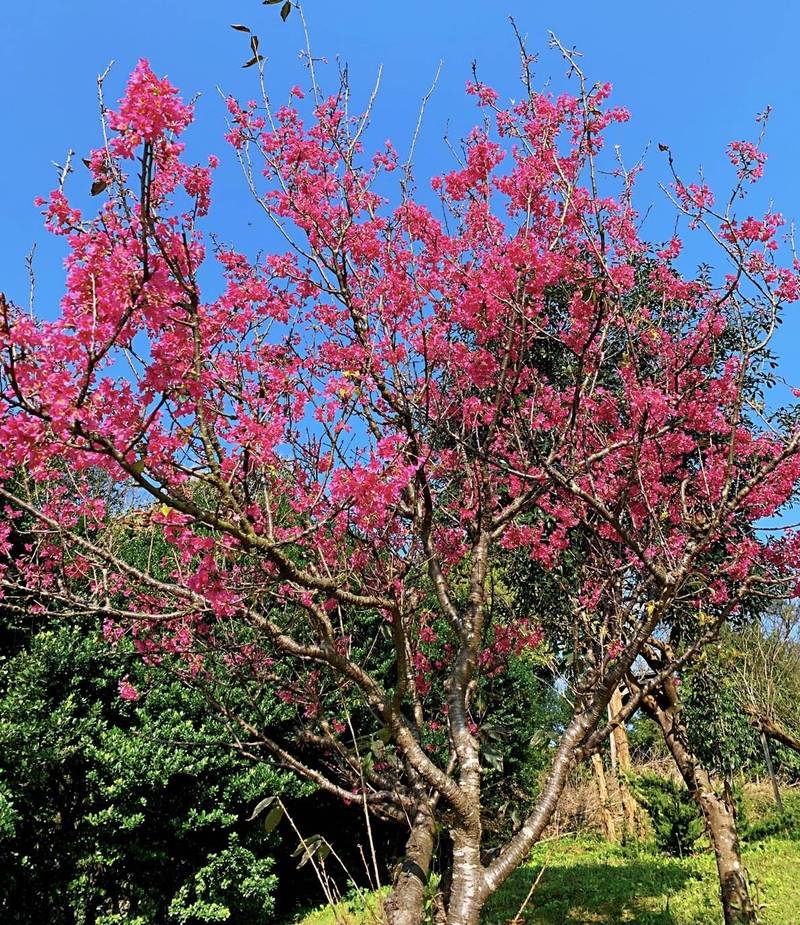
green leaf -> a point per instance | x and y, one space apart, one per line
493 757
98 186
286 9
138 467
305 858
306 845
315 844
254 60
239 27
260 807
274 817
309 853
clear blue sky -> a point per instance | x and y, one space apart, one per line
693 74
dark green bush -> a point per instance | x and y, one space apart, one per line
114 812
676 822
772 823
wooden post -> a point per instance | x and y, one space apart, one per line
771 771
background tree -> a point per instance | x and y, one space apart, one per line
766 663
115 810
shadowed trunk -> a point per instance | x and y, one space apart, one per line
466 891
406 902
718 812
607 817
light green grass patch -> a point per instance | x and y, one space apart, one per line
591 883
587 882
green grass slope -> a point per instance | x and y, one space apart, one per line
586 882
591 883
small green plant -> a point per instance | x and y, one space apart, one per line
676 823
783 825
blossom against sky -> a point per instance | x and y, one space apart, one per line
694 76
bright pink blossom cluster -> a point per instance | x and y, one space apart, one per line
395 395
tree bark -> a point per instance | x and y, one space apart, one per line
607 817
621 762
466 893
772 729
468 888
405 904
719 814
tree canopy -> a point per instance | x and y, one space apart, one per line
337 457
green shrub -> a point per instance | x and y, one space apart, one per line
113 812
676 822
786 825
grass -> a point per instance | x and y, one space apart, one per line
591 883
588 882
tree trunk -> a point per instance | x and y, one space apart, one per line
468 888
772 729
621 762
609 826
467 891
719 814
406 902
472 883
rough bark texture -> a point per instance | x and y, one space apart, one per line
406 902
607 817
736 903
718 812
467 891
772 729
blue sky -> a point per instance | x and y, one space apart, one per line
694 75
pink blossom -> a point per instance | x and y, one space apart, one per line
127 691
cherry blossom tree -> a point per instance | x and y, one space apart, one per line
337 451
